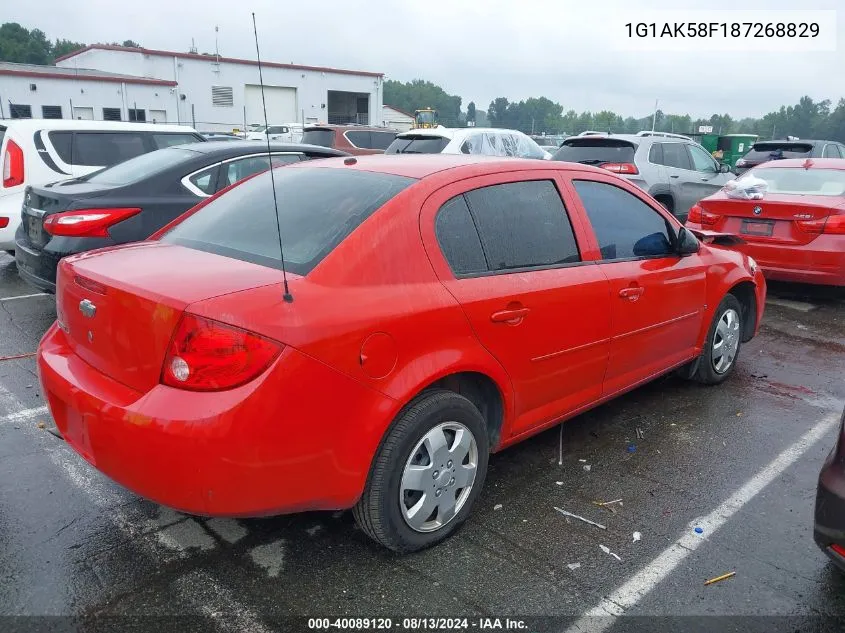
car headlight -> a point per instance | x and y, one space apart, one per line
752 265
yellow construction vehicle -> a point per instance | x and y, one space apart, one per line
425 118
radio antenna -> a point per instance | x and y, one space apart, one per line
288 297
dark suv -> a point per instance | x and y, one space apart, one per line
352 139
764 151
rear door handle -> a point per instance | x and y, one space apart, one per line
509 316
675 176
632 293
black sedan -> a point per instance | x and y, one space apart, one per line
132 200
830 503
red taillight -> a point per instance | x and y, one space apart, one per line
832 225
86 222
838 549
4 222
207 355
697 215
12 165
620 168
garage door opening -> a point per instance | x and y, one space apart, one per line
281 104
349 107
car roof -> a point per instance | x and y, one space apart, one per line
805 163
421 166
631 138
456 132
33 125
238 148
334 126
798 141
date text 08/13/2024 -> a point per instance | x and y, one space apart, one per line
416 624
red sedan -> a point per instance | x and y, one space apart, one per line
440 308
797 230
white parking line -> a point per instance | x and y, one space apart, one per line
37 294
605 613
25 414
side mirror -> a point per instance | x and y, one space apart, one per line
687 243
724 169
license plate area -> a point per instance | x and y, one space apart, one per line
34 229
762 228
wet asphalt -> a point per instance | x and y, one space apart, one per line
78 552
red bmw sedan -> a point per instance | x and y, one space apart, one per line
440 308
797 230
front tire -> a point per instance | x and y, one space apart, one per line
724 340
427 473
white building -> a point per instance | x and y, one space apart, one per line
396 119
50 92
221 93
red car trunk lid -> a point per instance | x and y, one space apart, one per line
748 218
119 309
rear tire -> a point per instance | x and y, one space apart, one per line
427 473
723 343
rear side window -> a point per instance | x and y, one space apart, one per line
831 151
318 209
596 151
655 154
761 152
324 138
101 149
166 140
240 169
206 180
625 226
359 138
523 225
62 142
381 140
675 155
417 145
458 238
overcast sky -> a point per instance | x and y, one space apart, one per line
566 50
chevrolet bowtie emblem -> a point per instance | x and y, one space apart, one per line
87 308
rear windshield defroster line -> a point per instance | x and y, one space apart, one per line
318 209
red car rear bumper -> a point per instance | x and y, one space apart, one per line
260 449
822 261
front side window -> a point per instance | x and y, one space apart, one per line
523 225
701 160
625 226
831 151
359 138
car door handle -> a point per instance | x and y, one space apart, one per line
509 316
632 293
674 176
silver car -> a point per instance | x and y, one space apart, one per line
674 169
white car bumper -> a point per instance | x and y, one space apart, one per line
10 207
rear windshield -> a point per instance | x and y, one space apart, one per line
799 181
140 167
325 138
318 208
776 151
417 145
596 151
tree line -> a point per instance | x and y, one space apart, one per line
536 115
24 46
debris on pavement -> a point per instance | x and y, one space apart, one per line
559 483
583 461
606 550
739 414
632 448
575 516
719 578
574 566
699 530
498 506
587 467
607 503
637 536
41 425
640 433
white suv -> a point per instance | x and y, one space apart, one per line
470 140
40 151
